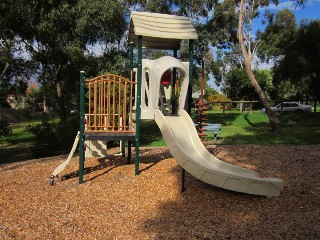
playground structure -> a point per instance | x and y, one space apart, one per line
161 91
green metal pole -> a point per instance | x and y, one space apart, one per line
131 58
190 75
81 139
138 106
123 145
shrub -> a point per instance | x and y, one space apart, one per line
65 133
5 129
217 98
44 135
54 137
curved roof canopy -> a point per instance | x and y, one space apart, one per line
160 31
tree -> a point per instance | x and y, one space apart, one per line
299 63
56 34
295 52
248 52
237 84
279 33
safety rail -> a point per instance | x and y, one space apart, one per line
109 104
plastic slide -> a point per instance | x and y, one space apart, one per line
185 146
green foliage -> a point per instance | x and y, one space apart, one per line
280 32
5 129
57 36
238 86
53 137
300 63
209 91
296 53
218 97
44 134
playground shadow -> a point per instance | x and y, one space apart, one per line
204 212
149 157
107 163
207 212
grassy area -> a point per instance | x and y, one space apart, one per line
17 146
150 134
237 128
244 128
19 136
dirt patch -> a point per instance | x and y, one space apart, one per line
115 204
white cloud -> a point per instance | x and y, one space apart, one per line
312 2
281 6
290 5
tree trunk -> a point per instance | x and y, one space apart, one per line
62 110
247 63
4 72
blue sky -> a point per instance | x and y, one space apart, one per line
311 10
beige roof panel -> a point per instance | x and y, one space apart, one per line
160 31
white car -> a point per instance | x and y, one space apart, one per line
290 107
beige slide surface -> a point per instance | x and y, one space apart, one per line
185 146
64 164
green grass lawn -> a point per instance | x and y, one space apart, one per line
244 128
19 136
17 146
237 128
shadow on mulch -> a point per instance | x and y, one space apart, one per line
20 154
110 162
103 163
10 155
207 212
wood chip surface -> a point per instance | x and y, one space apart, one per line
113 203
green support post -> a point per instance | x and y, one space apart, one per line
81 139
190 75
123 145
173 87
138 106
131 58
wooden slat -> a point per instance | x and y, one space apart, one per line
107 104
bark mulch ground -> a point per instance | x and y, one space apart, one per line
115 204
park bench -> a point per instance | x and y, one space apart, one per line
215 128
